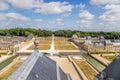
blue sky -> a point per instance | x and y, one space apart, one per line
83 15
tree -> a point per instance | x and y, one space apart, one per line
27 33
78 34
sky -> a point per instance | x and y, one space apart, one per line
83 15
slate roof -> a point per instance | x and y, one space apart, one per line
30 36
43 69
5 44
98 44
116 43
88 42
107 42
112 72
74 36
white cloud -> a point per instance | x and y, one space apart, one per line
42 7
58 19
112 6
84 14
112 13
109 20
85 18
17 16
55 24
54 8
81 6
38 20
24 4
2 16
3 5
98 2
85 23
59 22
64 15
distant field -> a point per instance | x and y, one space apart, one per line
63 44
86 69
44 43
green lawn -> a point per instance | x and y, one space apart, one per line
7 62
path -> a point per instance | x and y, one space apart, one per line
74 45
26 47
67 67
4 57
52 49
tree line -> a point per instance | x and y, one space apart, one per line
25 32
61 33
69 33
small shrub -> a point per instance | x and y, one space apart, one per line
81 43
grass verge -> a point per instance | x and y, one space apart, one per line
7 62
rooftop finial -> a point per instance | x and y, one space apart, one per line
36 43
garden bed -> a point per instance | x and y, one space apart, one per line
109 58
86 69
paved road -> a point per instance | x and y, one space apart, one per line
52 49
74 45
26 47
49 51
67 66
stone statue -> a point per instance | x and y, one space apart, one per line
36 43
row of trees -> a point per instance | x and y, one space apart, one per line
24 32
69 33
61 33
107 35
